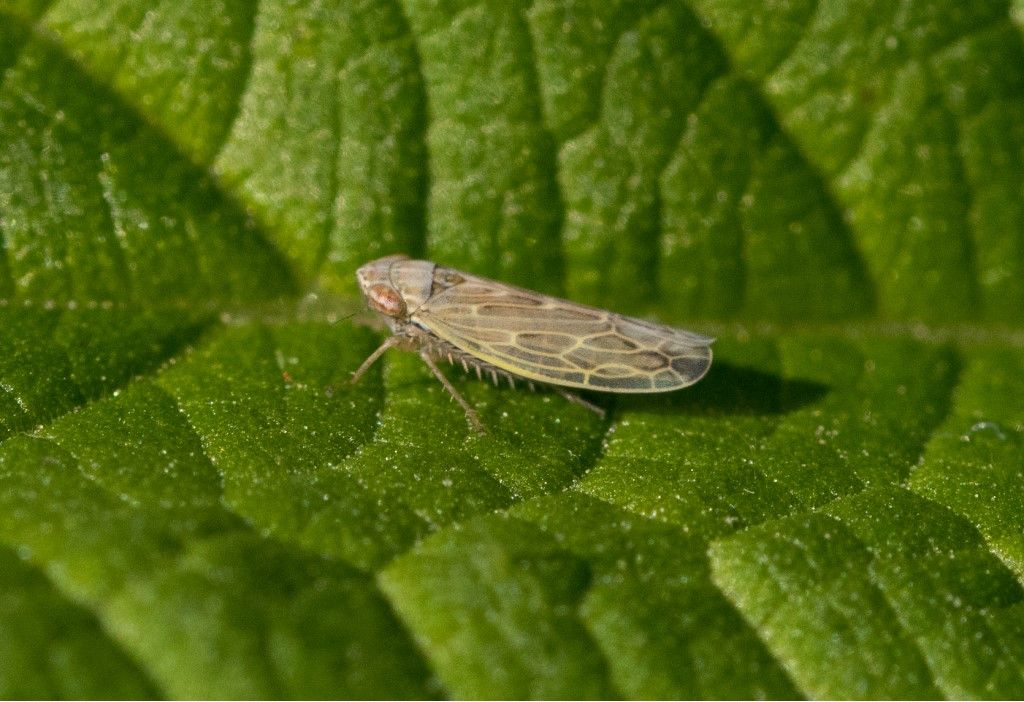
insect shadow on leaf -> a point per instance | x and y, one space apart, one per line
732 390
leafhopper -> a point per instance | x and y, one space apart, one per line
502 331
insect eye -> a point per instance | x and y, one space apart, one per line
385 300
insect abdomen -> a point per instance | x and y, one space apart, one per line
443 350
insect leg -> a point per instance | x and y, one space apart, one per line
576 399
372 358
471 415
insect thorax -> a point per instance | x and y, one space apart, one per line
414 281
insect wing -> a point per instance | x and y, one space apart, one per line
560 342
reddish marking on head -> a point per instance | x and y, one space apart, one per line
386 300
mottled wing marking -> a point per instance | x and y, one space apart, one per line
555 341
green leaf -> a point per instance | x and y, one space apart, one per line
194 502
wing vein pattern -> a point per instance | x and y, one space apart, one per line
555 341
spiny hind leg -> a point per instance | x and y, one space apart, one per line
471 415
576 399
390 342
